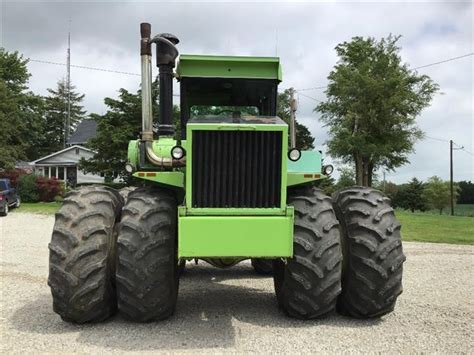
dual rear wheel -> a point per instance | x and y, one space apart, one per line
347 254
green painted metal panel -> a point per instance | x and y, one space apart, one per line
207 66
235 236
171 178
310 162
306 169
235 127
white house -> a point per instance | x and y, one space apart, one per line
63 166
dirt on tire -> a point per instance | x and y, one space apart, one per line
82 255
308 285
373 253
147 269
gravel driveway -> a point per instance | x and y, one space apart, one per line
235 310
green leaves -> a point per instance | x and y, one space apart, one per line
372 104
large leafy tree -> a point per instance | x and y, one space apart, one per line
437 193
20 111
411 196
304 139
56 106
372 104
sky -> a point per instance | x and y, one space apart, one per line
302 34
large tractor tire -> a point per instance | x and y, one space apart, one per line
308 284
263 266
373 254
147 269
82 255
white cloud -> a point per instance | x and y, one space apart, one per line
106 35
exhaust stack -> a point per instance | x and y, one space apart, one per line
165 60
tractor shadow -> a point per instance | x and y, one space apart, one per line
209 301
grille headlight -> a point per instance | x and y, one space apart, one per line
129 168
328 169
177 152
294 154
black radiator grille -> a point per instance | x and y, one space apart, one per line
240 169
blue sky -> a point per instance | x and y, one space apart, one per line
303 34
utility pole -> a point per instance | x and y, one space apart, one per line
451 175
292 118
68 83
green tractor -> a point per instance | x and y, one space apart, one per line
227 189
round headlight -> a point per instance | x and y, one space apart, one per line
328 169
294 154
177 152
129 168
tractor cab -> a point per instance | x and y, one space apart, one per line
224 86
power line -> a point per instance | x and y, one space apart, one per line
437 139
309 97
422 66
445 61
459 147
84 67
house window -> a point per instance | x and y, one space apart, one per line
61 173
77 151
53 172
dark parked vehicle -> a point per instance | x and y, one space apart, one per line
8 197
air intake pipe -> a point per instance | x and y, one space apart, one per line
166 56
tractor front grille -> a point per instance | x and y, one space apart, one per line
240 169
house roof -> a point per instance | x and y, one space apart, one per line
84 131
59 153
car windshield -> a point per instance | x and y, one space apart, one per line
3 185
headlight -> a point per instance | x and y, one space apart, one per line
129 168
328 169
294 154
177 152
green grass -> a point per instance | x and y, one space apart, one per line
420 227
465 210
424 227
37 207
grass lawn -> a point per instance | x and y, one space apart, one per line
466 210
37 207
420 227
424 227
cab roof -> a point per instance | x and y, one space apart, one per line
236 67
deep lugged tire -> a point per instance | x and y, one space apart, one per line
82 255
263 266
308 285
147 269
373 254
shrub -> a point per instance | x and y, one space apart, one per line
27 188
14 175
48 189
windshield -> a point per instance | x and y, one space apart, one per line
3 185
228 111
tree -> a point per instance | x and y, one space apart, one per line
411 196
19 110
121 123
304 139
346 178
437 193
56 106
372 104
466 192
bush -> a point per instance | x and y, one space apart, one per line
27 188
14 175
48 189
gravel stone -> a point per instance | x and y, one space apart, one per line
235 309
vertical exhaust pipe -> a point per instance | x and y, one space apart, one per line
166 56
145 55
